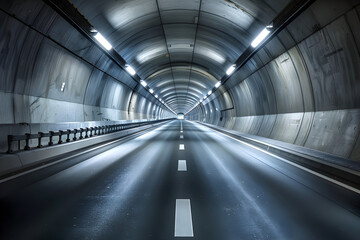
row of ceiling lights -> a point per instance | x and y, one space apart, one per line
259 39
100 38
144 84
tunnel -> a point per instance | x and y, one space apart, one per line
165 119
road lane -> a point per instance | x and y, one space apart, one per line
130 191
257 196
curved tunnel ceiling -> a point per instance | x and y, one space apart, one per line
181 48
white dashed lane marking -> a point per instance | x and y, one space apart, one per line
182 166
181 147
183 219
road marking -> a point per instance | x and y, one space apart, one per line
181 147
182 166
181 136
181 131
183 219
295 165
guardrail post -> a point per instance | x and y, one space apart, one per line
10 143
51 138
75 131
86 132
60 135
81 131
68 135
39 139
98 130
27 147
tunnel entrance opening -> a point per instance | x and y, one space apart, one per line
180 116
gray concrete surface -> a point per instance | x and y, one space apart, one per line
129 191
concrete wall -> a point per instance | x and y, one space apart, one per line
303 87
39 51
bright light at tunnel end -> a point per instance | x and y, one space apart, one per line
261 37
100 38
180 116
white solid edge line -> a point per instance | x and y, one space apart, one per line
181 147
182 166
60 160
296 165
183 219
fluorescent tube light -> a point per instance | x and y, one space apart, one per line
100 38
218 84
209 92
130 69
260 38
151 91
231 69
142 82
156 96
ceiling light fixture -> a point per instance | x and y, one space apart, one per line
142 82
261 37
230 69
100 38
218 84
130 70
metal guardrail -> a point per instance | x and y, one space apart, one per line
71 134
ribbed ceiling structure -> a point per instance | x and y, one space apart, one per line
180 48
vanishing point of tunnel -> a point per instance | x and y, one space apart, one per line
179 119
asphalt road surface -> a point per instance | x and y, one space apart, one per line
179 181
